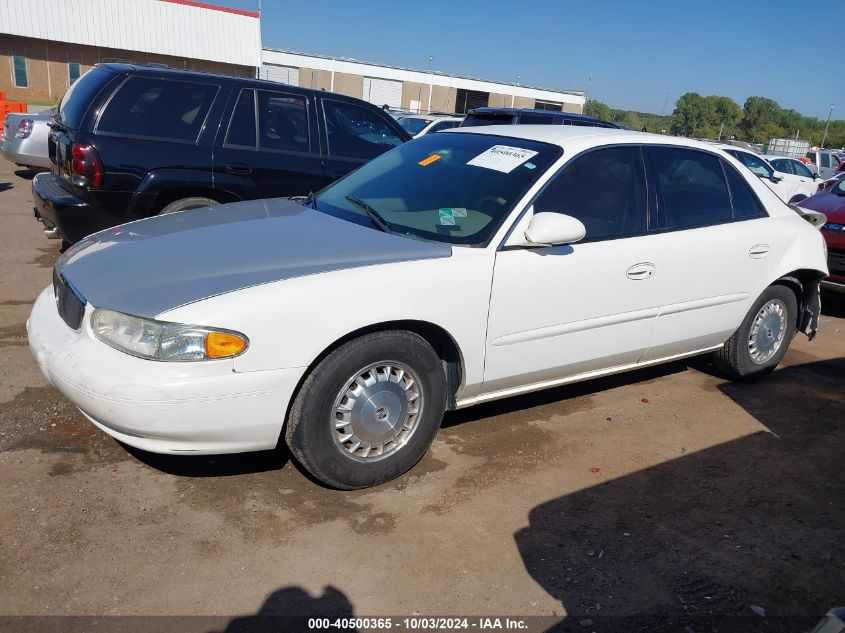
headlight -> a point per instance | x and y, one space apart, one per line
158 340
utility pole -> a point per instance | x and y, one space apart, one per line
665 103
430 81
824 136
513 92
721 128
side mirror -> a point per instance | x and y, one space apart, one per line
550 229
776 176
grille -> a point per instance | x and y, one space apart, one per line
71 306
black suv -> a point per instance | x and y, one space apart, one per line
129 142
530 116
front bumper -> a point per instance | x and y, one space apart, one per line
195 408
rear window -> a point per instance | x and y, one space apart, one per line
474 120
159 108
80 95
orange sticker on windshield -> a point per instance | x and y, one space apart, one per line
431 159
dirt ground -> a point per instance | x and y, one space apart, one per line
656 500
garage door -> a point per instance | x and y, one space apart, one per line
282 74
383 91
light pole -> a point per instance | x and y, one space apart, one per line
665 103
430 81
513 92
824 136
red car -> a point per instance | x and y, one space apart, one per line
831 202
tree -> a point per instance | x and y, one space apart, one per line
597 109
727 114
692 112
759 111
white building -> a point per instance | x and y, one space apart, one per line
46 44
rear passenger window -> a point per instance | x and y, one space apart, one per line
825 158
160 108
282 122
605 189
356 132
743 200
242 125
693 190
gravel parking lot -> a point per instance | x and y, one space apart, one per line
666 492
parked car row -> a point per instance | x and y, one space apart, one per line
238 317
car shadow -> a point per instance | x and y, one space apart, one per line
5 186
28 174
214 465
743 536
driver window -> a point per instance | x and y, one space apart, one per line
605 189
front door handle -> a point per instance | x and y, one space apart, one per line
643 270
758 251
238 168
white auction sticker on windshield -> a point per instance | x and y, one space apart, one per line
502 158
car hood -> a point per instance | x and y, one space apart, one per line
154 265
830 204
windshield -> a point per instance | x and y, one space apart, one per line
839 189
447 187
413 125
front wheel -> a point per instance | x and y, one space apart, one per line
760 343
369 410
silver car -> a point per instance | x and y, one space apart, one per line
24 138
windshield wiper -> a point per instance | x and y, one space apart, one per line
375 217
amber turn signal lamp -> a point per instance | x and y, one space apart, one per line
223 344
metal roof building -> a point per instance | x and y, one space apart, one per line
46 44
416 90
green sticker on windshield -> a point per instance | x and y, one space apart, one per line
530 165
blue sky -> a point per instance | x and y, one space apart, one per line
636 52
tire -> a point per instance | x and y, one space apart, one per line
386 400
797 198
744 359
188 203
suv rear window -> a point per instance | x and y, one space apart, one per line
80 95
473 120
159 108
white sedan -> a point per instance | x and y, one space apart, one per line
458 268
790 184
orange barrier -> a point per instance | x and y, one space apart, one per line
9 106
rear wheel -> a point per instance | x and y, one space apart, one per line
369 410
760 343
797 198
188 203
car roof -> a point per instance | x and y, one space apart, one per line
120 67
774 157
431 117
564 134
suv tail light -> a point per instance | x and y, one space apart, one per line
24 128
86 166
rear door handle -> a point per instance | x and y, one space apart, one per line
758 251
643 270
238 168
